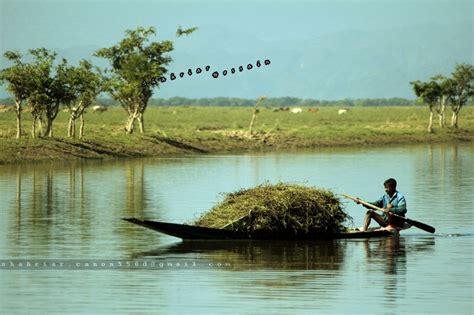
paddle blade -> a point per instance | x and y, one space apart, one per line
422 226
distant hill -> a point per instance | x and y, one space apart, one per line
354 64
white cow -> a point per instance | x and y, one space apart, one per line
342 111
99 108
296 110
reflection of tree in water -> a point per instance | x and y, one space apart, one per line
135 189
18 195
51 202
18 202
49 192
77 199
40 198
134 202
261 255
440 176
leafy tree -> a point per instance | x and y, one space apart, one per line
133 64
430 93
440 92
42 99
19 83
52 86
460 89
446 85
86 83
61 91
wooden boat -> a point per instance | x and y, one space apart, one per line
191 232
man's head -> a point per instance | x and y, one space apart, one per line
390 186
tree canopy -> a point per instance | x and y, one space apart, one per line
134 62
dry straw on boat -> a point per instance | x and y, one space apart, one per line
286 208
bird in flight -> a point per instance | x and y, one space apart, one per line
181 32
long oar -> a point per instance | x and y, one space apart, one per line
420 225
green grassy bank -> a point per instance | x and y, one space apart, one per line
198 130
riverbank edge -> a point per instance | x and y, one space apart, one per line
27 150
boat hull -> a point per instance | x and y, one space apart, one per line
190 232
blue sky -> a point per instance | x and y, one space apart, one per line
236 32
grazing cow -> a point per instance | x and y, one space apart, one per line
312 110
342 111
281 109
99 108
6 108
296 110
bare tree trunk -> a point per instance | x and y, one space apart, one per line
49 128
255 112
33 128
130 124
81 128
441 113
39 120
254 117
456 116
69 128
18 119
454 120
131 121
430 125
18 194
141 123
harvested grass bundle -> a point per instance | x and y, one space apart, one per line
283 207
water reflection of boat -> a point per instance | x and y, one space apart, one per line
190 232
257 254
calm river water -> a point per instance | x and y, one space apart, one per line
69 214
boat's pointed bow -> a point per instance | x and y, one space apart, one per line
133 220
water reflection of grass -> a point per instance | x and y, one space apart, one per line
260 255
178 130
320 255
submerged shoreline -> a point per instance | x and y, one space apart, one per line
183 131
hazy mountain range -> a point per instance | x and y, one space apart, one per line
344 64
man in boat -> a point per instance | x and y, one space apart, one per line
393 202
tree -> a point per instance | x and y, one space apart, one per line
440 92
86 84
54 86
461 89
445 84
20 84
255 112
133 65
41 99
61 91
430 93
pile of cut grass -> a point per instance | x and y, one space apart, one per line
286 208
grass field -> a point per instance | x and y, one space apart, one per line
186 130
